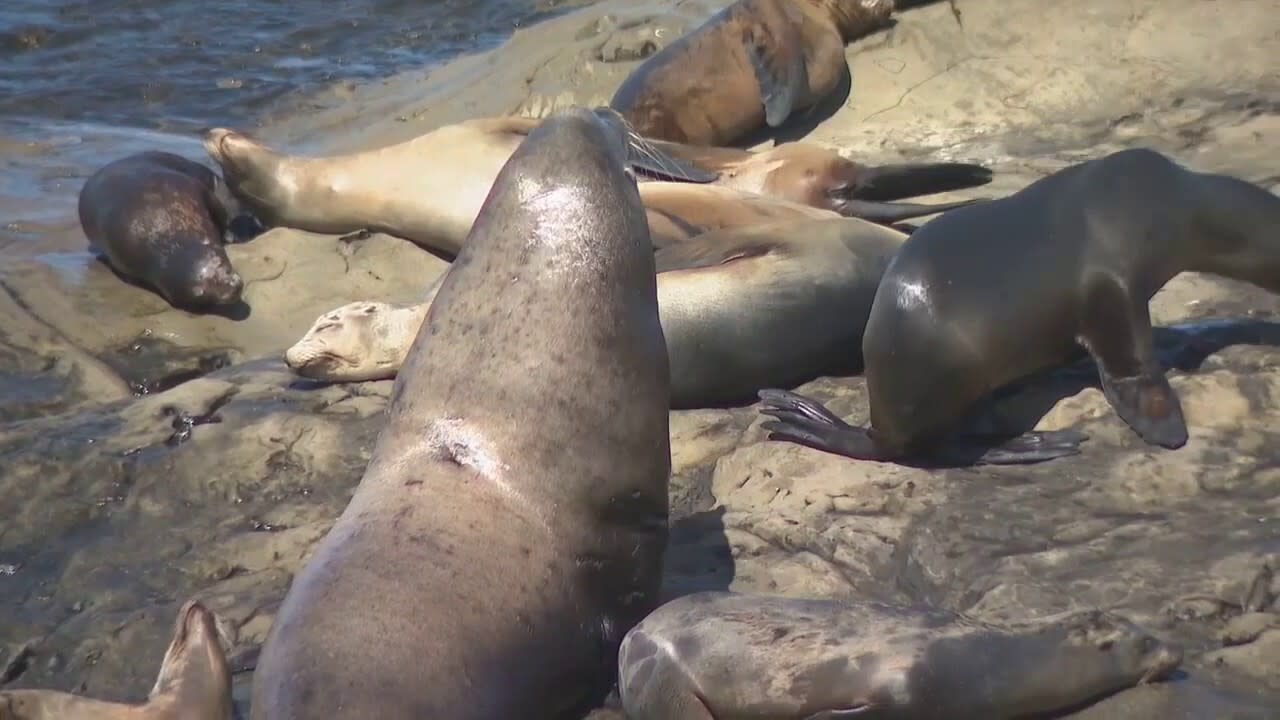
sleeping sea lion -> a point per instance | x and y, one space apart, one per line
161 220
752 64
741 309
428 189
194 682
723 656
991 293
511 525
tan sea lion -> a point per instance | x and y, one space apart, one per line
428 189
991 293
161 220
511 525
720 655
194 682
818 176
741 309
754 63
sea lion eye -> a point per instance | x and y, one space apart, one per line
1147 645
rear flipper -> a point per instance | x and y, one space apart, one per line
801 420
894 182
887 213
1027 448
806 422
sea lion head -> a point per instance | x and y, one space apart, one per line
194 672
206 280
356 342
1127 648
855 18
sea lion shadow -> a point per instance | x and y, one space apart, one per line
698 557
1182 347
800 124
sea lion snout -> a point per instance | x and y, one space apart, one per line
215 282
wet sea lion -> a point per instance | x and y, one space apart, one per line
512 521
194 682
991 293
161 220
428 189
720 655
741 309
752 64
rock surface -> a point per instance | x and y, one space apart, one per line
117 507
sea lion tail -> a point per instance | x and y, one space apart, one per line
887 213
903 180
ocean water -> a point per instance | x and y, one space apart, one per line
83 82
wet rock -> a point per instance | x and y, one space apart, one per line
76 332
218 482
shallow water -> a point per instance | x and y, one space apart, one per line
81 84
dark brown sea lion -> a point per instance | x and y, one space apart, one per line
511 525
991 293
161 220
194 682
727 656
755 63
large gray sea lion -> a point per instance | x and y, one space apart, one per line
511 524
987 294
194 682
160 219
726 656
754 63
428 189
741 309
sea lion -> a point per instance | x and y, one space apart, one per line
428 189
818 176
161 220
752 64
741 309
991 293
194 682
511 524
721 655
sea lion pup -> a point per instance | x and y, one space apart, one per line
194 682
752 64
991 293
161 219
741 309
511 525
720 655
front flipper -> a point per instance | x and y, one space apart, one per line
1116 330
892 212
801 420
780 70
894 182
